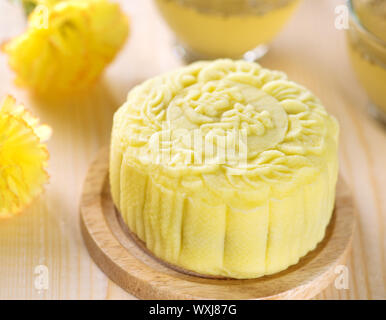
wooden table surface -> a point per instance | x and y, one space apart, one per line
310 49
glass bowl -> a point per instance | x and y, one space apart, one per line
210 29
367 50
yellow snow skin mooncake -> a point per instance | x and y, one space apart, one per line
225 168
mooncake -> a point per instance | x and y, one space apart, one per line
225 168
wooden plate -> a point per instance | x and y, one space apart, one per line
126 262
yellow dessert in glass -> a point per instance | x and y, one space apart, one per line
367 48
225 168
209 29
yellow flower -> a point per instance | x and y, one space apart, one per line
67 44
23 157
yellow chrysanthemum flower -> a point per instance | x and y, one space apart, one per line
67 44
23 157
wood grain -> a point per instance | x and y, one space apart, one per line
310 50
125 259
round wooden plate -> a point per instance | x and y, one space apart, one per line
125 261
